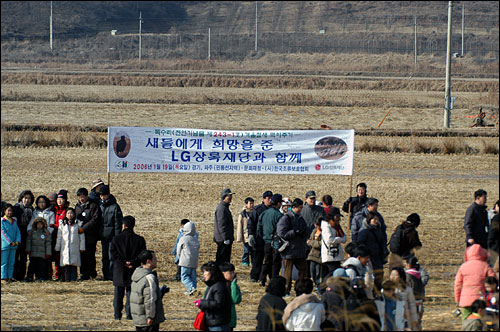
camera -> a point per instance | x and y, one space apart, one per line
457 313
164 290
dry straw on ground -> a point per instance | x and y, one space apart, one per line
437 186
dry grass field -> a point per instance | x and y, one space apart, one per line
437 186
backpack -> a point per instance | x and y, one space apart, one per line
396 239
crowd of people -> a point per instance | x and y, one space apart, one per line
337 285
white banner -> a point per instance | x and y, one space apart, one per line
151 149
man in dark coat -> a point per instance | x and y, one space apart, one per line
293 228
111 226
125 250
476 221
311 212
89 213
494 234
257 243
94 191
266 228
356 203
224 228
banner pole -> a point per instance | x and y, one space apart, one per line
109 180
350 195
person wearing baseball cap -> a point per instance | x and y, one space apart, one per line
257 243
112 220
266 228
311 211
224 227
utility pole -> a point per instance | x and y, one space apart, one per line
208 44
51 48
463 25
140 35
255 26
447 93
415 41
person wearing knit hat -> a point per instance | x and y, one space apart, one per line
404 241
94 192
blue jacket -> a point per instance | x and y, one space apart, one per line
10 233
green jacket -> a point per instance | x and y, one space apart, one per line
266 227
236 297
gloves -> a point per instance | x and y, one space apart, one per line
197 303
251 240
227 242
47 256
164 290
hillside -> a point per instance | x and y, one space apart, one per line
81 29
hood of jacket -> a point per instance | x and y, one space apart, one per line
36 220
189 229
368 226
140 273
476 252
354 262
301 301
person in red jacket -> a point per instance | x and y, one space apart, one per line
60 212
469 281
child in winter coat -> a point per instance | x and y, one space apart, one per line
43 209
70 243
314 257
39 249
242 231
476 321
469 280
271 306
227 270
11 236
414 278
60 213
188 251
306 311
174 249
405 293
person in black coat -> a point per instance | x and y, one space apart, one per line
372 237
476 221
494 235
125 249
23 211
89 213
224 228
111 226
216 303
271 306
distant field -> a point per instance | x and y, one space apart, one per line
438 186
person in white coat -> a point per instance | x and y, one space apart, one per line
70 243
332 236
43 209
305 312
390 308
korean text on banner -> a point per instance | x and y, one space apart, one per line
150 149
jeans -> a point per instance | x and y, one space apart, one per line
8 260
316 271
107 259
188 277
247 253
118 301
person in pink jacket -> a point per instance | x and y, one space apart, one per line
469 281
